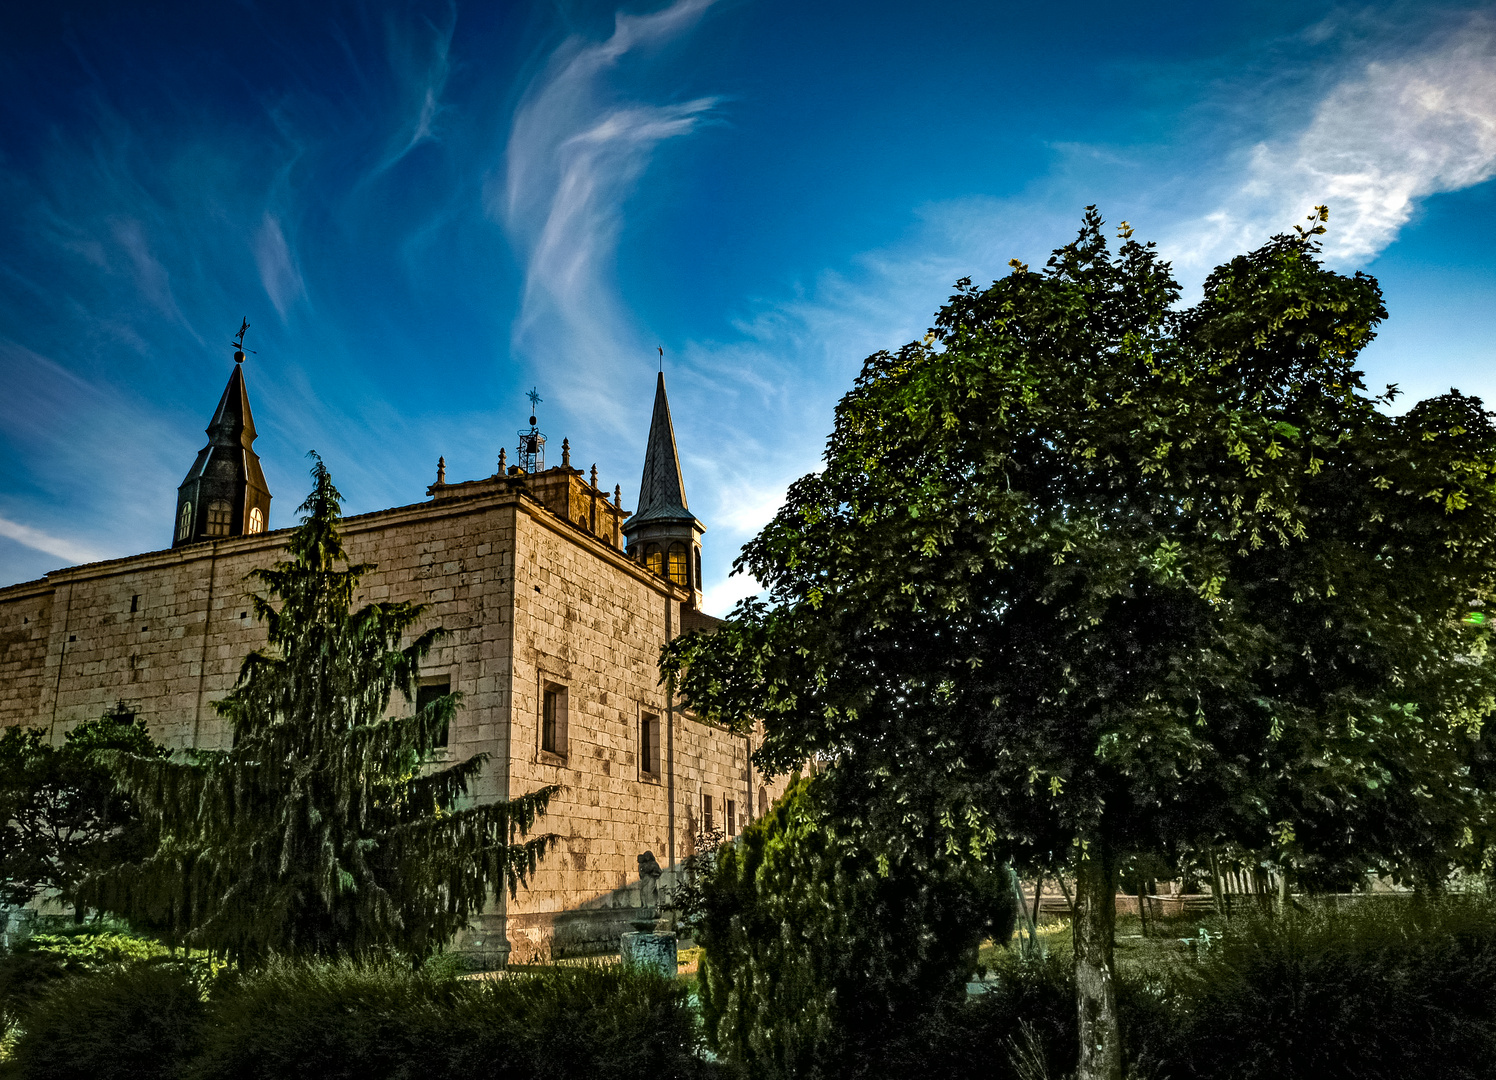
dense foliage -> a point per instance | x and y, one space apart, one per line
1109 575
138 1021
1389 989
325 829
61 816
291 1020
817 959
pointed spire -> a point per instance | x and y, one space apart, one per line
662 493
225 493
233 423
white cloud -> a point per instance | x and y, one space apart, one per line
65 549
574 157
1392 132
278 271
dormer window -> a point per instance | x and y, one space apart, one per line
220 517
184 522
256 522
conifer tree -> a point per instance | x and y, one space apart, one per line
323 831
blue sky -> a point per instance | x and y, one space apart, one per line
424 209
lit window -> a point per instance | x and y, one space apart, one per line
256 521
184 522
653 560
553 720
220 516
678 563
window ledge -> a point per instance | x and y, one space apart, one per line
548 758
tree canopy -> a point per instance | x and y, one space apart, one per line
1111 574
63 819
326 829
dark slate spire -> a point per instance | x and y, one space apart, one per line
662 494
663 534
225 492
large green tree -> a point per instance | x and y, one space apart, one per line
1114 575
61 816
325 829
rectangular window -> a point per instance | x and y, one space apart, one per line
731 824
649 744
706 812
553 720
429 691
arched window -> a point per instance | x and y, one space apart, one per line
652 560
184 522
256 520
220 516
678 563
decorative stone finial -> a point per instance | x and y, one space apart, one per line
617 495
503 460
566 453
441 470
594 474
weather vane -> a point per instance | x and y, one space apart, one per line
238 343
532 440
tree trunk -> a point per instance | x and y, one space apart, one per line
1095 976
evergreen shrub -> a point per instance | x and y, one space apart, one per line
136 1021
388 1022
818 957
1392 987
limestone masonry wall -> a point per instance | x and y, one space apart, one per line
529 600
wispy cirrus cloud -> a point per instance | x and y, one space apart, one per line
1392 131
279 273
576 153
58 546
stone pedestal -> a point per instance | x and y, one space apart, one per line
657 952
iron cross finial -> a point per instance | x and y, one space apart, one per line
535 398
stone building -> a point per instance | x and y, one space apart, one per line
556 601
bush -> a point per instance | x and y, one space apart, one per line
1384 988
389 1023
139 1020
44 958
815 963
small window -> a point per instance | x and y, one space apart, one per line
256 523
730 821
649 744
678 563
706 812
763 801
427 693
698 568
553 720
134 603
653 560
184 522
220 517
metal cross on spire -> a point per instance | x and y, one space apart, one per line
535 398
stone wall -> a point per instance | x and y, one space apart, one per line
528 599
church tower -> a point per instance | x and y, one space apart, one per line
225 493
663 534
